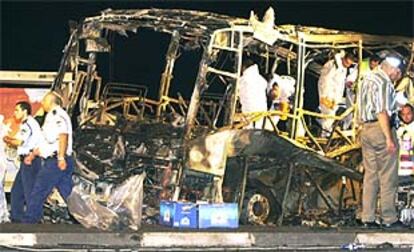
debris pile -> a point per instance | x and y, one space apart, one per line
107 156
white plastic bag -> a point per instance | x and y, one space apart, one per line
123 208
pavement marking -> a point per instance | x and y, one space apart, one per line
204 239
18 239
380 238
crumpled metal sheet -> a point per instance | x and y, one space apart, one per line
203 152
115 153
122 210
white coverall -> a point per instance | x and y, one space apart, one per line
350 95
252 93
286 86
331 87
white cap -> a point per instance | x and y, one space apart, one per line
393 61
396 61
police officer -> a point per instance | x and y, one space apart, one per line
25 140
377 105
56 152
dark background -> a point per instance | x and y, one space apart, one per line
33 34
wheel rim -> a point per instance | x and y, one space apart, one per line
258 209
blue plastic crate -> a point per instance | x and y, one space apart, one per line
224 215
178 214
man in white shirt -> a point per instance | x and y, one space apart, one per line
405 135
25 140
56 153
252 91
331 86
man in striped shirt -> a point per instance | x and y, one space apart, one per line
377 106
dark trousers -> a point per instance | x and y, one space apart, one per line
49 176
22 187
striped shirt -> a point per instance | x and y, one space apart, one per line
376 94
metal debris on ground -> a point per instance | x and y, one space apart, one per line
153 149
123 208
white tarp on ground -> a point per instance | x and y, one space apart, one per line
122 210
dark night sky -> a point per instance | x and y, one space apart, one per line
33 34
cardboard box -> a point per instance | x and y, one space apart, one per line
178 214
225 215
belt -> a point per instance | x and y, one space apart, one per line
54 155
21 157
371 121
392 123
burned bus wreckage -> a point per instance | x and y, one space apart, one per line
198 148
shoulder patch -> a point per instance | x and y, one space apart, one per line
61 119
